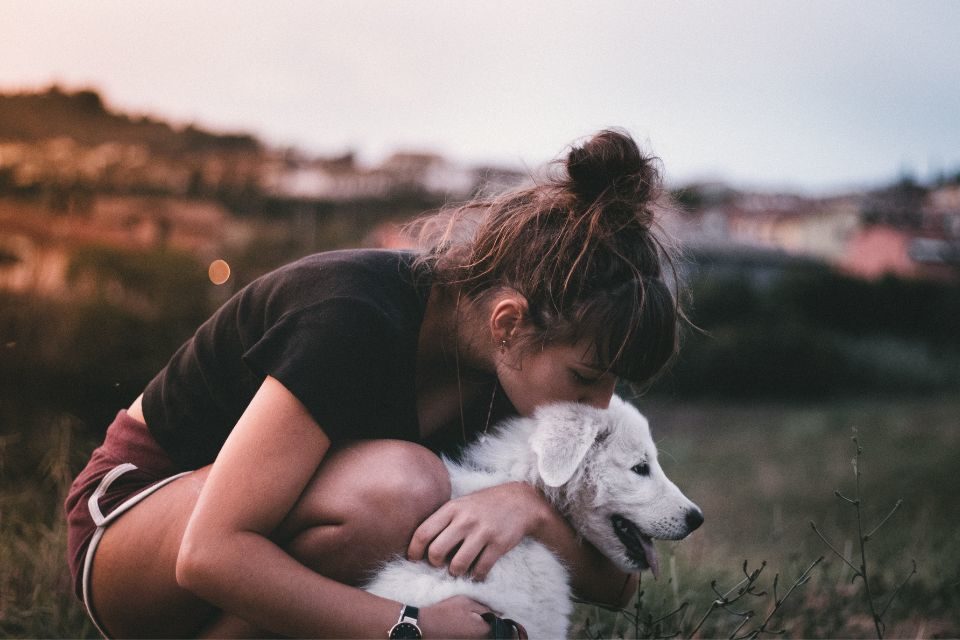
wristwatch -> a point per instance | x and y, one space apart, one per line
406 626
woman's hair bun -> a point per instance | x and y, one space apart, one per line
611 158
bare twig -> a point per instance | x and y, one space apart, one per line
716 604
884 521
652 628
899 587
843 497
838 554
862 538
746 619
682 606
745 587
803 579
877 622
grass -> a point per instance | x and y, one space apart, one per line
761 473
37 464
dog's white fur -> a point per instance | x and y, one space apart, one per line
585 461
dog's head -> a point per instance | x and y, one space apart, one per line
600 468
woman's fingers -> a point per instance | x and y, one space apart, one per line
455 617
485 562
443 546
472 532
465 556
428 530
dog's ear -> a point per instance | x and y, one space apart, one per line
561 440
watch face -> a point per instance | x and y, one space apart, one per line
405 630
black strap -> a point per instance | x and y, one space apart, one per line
504 628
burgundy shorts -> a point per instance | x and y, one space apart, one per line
126 468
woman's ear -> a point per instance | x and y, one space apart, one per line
509 313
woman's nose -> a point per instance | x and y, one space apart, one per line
599 397
597 402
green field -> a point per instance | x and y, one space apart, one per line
761 473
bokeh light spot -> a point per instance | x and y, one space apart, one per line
219 272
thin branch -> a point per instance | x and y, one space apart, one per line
884 521
755 573
839 555
672 613
897 590
746 619
843 497
803 579
868 595
716 604
723 596
653 630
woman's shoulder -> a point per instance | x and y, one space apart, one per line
375 279
377 264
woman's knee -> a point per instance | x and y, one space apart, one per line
364 484
363 506
407 477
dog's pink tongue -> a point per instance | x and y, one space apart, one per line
651 555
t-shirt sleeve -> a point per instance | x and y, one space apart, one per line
334 359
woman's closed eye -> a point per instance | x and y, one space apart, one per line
584 378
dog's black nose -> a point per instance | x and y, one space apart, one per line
694 518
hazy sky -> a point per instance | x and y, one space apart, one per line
814 95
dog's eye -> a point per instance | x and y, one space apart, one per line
642 469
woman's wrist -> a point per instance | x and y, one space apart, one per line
594 576
543 517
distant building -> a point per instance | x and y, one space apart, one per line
400 173
865 236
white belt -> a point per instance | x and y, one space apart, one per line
93 504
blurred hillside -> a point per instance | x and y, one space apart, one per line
66 145
83 117
108 223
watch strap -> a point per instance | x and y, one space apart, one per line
411 612
407 625
504 628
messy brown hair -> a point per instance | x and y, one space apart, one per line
582 246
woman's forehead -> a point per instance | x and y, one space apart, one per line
583 352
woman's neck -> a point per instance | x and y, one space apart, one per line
451 335
452 372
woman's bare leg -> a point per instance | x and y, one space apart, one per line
337 528
364 504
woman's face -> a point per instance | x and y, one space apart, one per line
557 373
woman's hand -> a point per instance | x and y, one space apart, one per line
456 617
472 532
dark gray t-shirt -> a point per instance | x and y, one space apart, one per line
338 329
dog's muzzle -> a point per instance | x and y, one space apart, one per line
639 546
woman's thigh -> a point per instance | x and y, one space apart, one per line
355 491
133 586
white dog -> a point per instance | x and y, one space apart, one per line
599 468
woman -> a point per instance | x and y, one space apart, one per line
288 447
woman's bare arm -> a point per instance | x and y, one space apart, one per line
593 576
227 559
488 523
